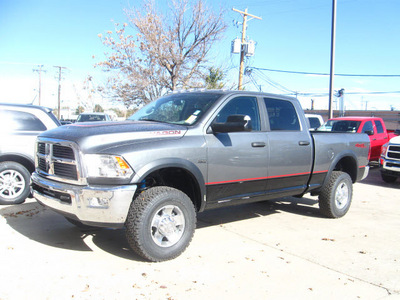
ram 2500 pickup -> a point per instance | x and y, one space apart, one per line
373 126
188 152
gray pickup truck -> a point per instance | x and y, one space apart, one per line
188 152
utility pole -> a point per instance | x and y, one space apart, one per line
59 89
241 69
332 73
40 81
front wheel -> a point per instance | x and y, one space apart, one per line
14 183
335 197
160 223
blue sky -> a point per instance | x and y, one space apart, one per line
293 35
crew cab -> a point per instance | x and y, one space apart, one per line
188 152
373 126
19 126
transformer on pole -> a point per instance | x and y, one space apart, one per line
246 49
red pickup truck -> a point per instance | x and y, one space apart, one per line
373 126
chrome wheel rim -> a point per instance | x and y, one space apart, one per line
167 226
12 184
342 195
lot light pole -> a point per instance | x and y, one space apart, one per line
332 72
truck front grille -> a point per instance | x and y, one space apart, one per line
58 160
393 152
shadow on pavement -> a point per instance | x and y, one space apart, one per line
299 206
44 226
374 178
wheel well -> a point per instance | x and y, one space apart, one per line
348 165
178 178
26 162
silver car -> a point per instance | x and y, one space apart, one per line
19 126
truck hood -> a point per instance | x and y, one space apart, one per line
101 135
395 140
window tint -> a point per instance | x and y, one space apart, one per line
20 121
314 122
368 127
241 106
282 115
379 126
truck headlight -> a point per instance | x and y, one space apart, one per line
109 166
384 149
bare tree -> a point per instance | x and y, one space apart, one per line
167 53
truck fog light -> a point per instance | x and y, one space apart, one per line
98 202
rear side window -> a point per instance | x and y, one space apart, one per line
282 115
379 126
12 120
314 122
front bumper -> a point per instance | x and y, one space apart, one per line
389 167
104 206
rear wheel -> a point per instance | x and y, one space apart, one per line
335 197
14 183
161 223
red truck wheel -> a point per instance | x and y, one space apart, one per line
335 197
160 223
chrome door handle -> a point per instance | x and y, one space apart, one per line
258 144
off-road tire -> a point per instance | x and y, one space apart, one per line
335 197
14 183
160 223
388 178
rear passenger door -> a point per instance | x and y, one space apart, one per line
291 149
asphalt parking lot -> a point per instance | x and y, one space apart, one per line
280 249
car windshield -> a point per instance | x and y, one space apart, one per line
340 126
90 118
185 108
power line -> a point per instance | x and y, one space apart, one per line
326 74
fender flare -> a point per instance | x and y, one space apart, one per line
163 163
342 155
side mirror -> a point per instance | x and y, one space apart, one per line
369 132
234 123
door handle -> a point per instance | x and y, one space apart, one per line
304 143
258 144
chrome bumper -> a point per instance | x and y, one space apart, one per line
106 206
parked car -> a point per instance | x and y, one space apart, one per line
373 126
19 126
188 152
314 120
93 117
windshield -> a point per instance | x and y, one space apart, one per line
90 118
185 108
340 126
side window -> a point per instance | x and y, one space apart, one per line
368 127
20 121
282 115
379 126
241 106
